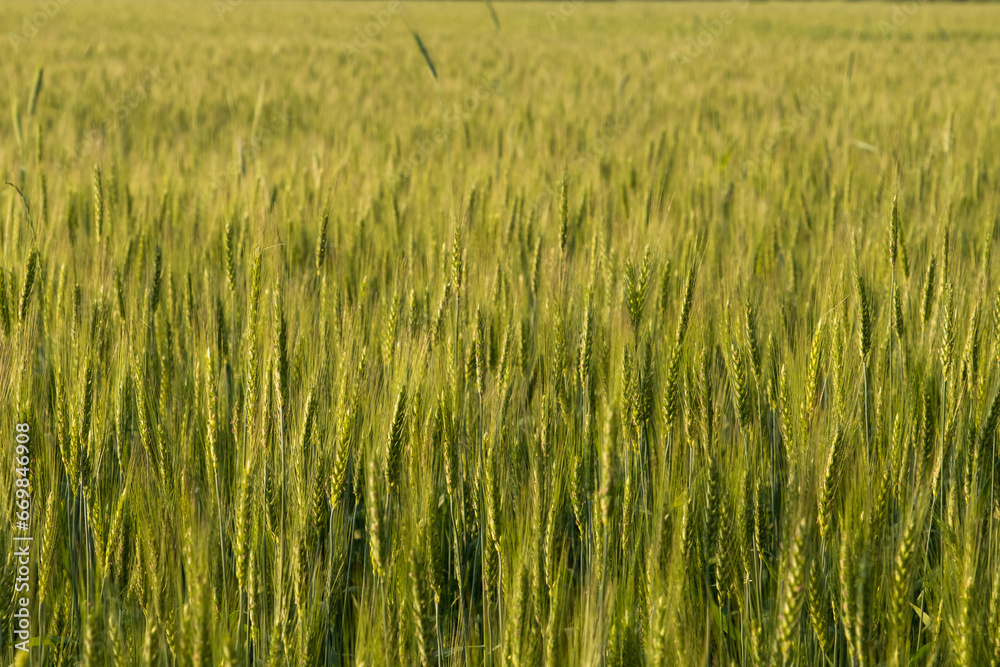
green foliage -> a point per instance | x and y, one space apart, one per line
327 361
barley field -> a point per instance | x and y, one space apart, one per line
489 334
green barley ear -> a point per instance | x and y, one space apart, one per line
43 213
945 254
254 300
15 112
713 517
812 374
928 421
425 54
893 231
391 328
53 511
520 616
447 439
146 437
321 244
897 307
211 423
243 519
751 334
963 616
359 458
93 654
688 532
29 282
827 497
904 259
436 324
98 202
761 521
899 598
119 294
839 375
973 347
631 295
636 289
345 425
786 423
81 449
281 355
989 428
819 610
948 334
793 589
682 322
373 522
586 342
230 252
536 269
741 388
865 314
493 505
665 289
62 432
151 642
671 405
36 90
645 273
479 352
276 651
707 396
996 324
394 441
421 603
929 289
115 531
563 215
308 424
154 291
557 597
122 425
4 311
993 625
456 260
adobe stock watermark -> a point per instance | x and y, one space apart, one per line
21 614
223 7
31 24
138 94
817 100
901 13
248 153
566 9
374 28
698 44
611 130
451 119
126 104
